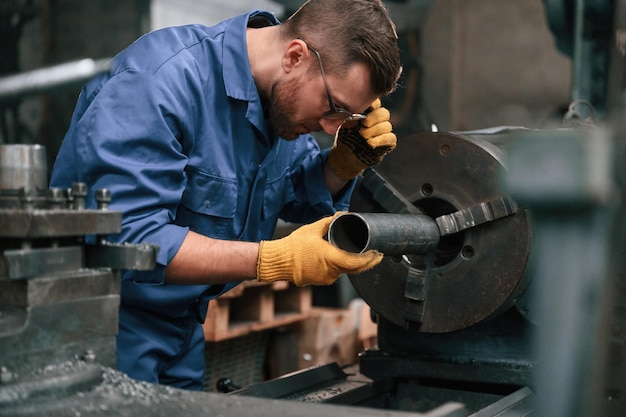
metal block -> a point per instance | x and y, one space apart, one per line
58 223
28 263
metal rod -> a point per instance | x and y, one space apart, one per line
44 79
391 234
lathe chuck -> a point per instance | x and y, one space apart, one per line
478 268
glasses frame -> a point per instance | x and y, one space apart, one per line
335 112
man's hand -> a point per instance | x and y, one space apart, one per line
306 258
364 144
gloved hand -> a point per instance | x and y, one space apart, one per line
305 257
363 144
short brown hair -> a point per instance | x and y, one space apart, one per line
346 32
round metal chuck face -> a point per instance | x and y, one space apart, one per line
477 270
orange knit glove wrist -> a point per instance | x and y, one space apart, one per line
306 258
363 144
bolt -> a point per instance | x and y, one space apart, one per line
103 198
79 193
56 198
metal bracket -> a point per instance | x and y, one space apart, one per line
28 263
138 257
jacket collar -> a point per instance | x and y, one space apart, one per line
236 66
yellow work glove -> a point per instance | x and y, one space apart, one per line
364 144
306 258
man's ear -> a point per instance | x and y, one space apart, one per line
295 55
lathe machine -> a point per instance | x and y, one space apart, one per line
497 290
461 329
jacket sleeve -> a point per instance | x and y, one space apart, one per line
128 140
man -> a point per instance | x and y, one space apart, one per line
202 136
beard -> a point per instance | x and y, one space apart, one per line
282 109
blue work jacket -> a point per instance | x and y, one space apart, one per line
177 132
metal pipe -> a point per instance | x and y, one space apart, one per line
391 234
44 79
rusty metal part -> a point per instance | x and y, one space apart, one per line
476 272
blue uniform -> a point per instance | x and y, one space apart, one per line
178 133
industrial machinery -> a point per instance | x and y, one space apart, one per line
499 288
457 247
455 322
60 293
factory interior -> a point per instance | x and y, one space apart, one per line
511 126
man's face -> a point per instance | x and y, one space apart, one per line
298 103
